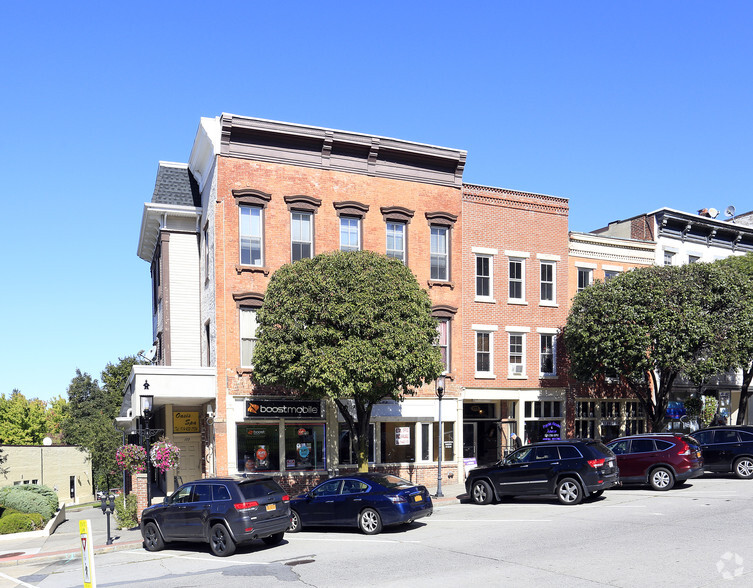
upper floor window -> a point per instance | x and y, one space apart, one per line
439 253
693 258
350 234
585 278
548 274
248 335
483 353
517 279
443 342
301 235
251 235
483 276
669 257
547 366
516 357
396 240
610 275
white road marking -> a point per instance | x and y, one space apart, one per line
17 581
492 521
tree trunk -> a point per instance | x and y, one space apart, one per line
744 395
359 431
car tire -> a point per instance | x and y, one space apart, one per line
481 492
274 539
743 468
295 522
369 522
153 538
569 491
220 541
661 479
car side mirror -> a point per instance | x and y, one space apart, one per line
164 501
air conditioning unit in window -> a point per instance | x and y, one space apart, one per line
517 369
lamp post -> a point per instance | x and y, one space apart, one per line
440 392
147 403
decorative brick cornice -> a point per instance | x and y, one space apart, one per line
251 197
396 214
442 218
302 202
351 208
248 299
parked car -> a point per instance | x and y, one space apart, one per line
369 501
727 449
570 469
224 512
659 460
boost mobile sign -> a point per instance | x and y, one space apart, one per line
299 409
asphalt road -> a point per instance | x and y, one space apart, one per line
697 535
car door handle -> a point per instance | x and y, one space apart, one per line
524 466
357 499
555 463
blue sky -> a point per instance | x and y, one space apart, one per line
620 107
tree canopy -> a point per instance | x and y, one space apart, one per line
346 325
650 325
22 421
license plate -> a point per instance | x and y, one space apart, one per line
271 507
419 498
698 454
610 463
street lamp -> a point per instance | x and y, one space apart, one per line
440 392
147 403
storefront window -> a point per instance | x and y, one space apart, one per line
549 427
398 442
346 453
258 448
635 421
425 441
586 419
305 447
448 433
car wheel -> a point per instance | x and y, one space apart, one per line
295 522
274 539
744 468
481 492
661 479
153 538
220 541
569 491
369 521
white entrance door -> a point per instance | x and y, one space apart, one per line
189 467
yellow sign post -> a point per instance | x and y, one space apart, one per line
87 552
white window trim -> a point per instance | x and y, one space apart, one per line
590 276
523 254
553 263
241 337
552 333
261 235
548 257
484 251
613 268
311 232
522 299
489 298
446 253
489 330
358 231
522 375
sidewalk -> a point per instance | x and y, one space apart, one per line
65 542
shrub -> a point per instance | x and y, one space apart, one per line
45 491
26 502
7 512
17 522
126 514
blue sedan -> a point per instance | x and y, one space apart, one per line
368 501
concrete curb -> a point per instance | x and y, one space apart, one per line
67 555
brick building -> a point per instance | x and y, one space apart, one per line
515 301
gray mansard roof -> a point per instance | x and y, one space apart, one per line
176 185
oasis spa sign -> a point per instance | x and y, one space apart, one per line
275 409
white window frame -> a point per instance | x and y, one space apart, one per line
447 346
517 257
669 255
488 330
435 252
392 252
251 212
589 271
247 319
346 223
488 278
515 370
296 233
545 332
553 300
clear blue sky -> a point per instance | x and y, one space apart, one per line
620 107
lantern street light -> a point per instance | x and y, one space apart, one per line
440 445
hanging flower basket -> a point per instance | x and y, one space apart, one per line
131 458
164 455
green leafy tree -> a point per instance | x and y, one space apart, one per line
347 325
650 325
744 324
22 421
57 412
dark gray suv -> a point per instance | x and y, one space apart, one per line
223 512
569 469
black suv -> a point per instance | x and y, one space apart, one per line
223 512
570 469
727 449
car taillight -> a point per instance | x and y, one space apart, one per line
685 449
245 505
596 463
286 498
396 499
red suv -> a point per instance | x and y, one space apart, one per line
659 459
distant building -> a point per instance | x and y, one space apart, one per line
64 468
